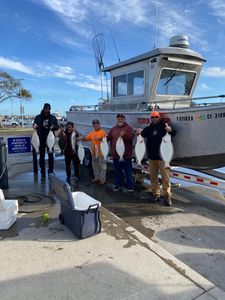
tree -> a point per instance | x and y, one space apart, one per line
11 88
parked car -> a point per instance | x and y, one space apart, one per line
9 122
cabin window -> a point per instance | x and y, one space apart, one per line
131 84
136 83
120 86
174 82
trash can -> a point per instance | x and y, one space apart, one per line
3 165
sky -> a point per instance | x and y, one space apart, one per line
48 44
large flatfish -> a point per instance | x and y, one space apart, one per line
120 147
104 148
73 141
50 141
166 150
140 149
35 142
81 152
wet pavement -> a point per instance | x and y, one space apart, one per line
122 262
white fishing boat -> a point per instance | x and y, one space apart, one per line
164 79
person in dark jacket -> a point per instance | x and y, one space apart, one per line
154 134
70 152
43 123
122 129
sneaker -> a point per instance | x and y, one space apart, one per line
51 173
68 180
156 198
101 182
116 188
168 201
94 180
130 190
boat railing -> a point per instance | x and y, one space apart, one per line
192 100
83 107
151 105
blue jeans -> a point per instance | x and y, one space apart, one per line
125 165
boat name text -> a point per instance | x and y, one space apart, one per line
200 117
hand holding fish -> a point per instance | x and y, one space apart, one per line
62 131
139 130
122 133
96 138
168 128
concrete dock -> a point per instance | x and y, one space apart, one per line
46 261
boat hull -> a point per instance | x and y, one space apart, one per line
200 139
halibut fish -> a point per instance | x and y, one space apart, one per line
81 152
120 148
50 141
104 146
73 141
140 149
35 142
166 150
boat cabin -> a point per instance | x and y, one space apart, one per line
154 78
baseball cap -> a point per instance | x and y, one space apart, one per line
120 116
95 121
155 114
47 105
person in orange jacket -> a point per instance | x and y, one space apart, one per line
99 164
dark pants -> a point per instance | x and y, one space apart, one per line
119 166
42 159
75 160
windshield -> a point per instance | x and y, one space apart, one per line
174 82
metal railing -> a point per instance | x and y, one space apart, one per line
148 106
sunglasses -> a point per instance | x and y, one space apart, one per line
156 117
95 123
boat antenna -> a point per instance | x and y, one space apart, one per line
107 89
156 22
98 44
115 45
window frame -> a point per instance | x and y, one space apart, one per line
132 87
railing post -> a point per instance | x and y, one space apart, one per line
3 165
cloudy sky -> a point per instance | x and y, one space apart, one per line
49 43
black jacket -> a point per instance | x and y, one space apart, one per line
154 134
65 141
44 123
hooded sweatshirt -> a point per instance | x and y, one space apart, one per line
154 134
44 123
128 136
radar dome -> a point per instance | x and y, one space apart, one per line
180 41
